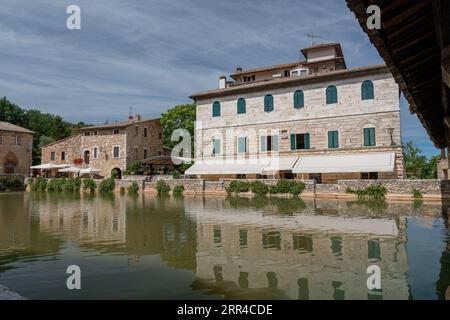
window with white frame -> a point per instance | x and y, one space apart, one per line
95 153
116 152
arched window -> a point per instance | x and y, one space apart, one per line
268 103
299 99
367 90
331 95
216 109
241 106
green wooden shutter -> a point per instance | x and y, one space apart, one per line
307 142
366 137
369 137
333 139
367 91
275 143
336 139
372 137
216 109
293 141
331 95
263 143
268 103
241 106
242 145
299 100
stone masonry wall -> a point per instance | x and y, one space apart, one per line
17 154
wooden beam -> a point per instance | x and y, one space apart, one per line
446 66
405 14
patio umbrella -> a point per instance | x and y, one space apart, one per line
89 171
70 170
49 166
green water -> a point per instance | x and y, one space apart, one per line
147 247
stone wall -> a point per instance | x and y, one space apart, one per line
402 187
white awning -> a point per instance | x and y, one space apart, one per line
239 166
356 162
280 164
49 166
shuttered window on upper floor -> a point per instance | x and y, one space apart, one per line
241 106
268 103
331 95
299 99
216 109
367 91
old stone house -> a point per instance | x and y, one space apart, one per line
108 147
311 119
16 146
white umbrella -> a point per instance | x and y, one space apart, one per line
70 169
89 171
49 166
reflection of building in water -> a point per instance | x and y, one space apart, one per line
298 256
89 219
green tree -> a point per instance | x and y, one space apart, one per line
417 165
47 127
179 117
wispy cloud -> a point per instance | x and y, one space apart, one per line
152 54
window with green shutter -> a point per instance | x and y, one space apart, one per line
242 145
299 99
216 109
367 92
268 103
300 141
241 106
216 146
332 95
333 139
269 143
369 137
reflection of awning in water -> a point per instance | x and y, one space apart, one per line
342 224
357 162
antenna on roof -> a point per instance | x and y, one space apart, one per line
312 36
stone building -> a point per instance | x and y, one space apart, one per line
16 146
311 119
107 147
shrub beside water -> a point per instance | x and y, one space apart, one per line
283 186
372 192
9 183
89 184
417 194
38 184
107 185
238 186
178 190
259 188
133 188
162 187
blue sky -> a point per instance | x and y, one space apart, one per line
152 54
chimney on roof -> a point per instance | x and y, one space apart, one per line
222 82
137 117
130 118
238 69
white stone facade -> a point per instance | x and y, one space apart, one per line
349 116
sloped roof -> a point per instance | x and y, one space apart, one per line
117 124
6 126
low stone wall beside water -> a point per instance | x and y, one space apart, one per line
401 187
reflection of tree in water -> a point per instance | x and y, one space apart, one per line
270 204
